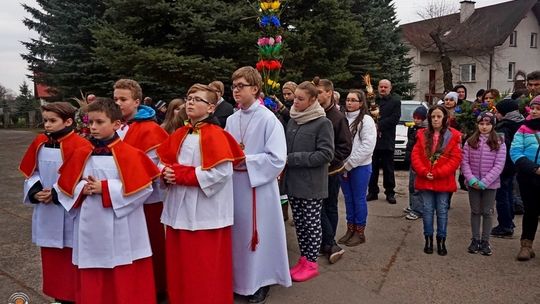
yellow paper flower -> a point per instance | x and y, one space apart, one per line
273 84
270 5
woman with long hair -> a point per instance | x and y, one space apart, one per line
176 115
355 179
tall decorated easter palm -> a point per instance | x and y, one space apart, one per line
270 44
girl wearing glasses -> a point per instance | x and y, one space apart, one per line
355 179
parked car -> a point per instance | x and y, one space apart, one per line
407 110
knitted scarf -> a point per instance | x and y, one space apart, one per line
312 112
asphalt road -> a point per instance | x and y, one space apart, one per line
389 268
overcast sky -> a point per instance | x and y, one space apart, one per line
12 31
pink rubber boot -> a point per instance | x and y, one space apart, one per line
309 271
301 261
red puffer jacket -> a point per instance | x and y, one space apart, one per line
444 169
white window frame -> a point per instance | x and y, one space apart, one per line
511 71
512 40
470 69
534 40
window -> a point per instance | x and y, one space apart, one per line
534 40
513 38
467 72
511 70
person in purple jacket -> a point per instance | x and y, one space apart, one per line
484 155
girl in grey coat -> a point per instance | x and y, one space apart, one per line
310 148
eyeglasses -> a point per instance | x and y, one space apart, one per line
239 86
448 99
352 100
196 99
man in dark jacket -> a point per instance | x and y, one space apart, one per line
510 121
223 108
342 149
383 156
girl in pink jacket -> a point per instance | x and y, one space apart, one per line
483 160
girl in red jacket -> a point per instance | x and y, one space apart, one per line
435 158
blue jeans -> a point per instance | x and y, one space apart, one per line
355 190
415 198
505 203
435 201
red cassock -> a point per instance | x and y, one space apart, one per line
145 136
126 284
59 273
199 263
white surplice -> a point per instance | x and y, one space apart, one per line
52 226
209 206
107 237
262 134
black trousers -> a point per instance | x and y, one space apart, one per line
528 186
329 212
383 159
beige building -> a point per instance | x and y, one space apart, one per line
490 47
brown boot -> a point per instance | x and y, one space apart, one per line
526 252
348 234
285 210
358 237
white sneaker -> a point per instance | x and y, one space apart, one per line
407 210
412 216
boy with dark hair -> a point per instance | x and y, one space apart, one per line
52 227
104 186
533 83
259 243
141 131
342 150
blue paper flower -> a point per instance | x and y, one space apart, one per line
270 103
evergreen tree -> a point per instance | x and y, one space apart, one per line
325 40
168 45
25 101
378 18
62 56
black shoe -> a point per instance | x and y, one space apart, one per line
518 210
474 246
391 199
372 197
325 250
428 247
485 249
335 254
502 232
259 296
441 246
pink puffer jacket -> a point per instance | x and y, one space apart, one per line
483 164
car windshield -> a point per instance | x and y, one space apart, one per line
407 111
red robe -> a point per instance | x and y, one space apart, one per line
130 283
59 273
147 135
199 263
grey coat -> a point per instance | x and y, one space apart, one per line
310 148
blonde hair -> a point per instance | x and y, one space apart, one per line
251 75
211 93
309 87
218 85
131 85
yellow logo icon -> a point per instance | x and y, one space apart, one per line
19 298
